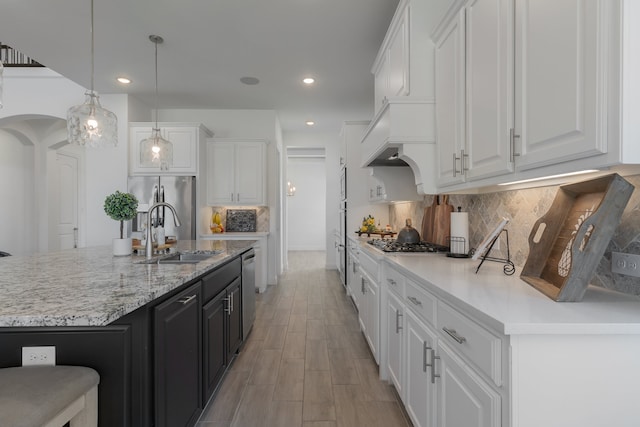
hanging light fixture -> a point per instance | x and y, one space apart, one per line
89 123
155 150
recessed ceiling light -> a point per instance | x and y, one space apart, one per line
310 123
123 80
249 80
308 80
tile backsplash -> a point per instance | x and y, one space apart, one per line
523 208
262 216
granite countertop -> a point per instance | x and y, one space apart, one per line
91 287
508 304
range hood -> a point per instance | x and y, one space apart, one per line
403 134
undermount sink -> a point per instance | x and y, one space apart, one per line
182 258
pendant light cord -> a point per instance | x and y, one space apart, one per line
92 67
156 43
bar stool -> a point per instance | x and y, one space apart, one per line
49 396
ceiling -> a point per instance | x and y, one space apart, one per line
209 45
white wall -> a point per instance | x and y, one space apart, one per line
306 213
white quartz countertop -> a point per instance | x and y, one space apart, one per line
511 306
234 235
91 287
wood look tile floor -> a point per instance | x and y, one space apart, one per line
306 363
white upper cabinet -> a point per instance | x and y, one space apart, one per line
391 69
474 77
236 172
531 88
186 139
561 80
450 100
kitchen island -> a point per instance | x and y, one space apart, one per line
134 322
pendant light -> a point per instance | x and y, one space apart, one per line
89 124
156 151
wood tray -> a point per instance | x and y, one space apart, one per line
377 233
567 243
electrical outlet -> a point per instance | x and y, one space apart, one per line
627 264
45 355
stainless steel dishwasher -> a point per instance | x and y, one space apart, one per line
248 291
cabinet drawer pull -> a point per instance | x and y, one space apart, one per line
392 282
433 366
415 301
362 289
398 327
186 300
453 334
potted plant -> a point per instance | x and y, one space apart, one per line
121 207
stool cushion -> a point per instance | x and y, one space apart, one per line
33 395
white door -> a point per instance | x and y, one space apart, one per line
67 201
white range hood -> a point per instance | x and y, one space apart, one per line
404 129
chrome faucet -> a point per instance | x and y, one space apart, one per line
176 221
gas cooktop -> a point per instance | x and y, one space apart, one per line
388 245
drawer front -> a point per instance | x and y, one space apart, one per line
472 341
214 282
395 282
370 265
421 302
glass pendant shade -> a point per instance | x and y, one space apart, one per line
156 151
91 125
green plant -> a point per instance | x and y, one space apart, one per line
121 207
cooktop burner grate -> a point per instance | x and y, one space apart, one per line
387 245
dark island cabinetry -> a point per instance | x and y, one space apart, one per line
177 364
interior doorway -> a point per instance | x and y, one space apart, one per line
306 199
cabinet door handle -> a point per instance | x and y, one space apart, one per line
186 300
228 307
453 334
463 162
230 303
362 285
392 282
238 199
433 366
455 163
398 327
425 348
512 144
232 197
415 301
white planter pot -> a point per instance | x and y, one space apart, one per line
122 247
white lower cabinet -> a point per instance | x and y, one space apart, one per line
463 398
395 331
369 301
369 313
446 368
420 389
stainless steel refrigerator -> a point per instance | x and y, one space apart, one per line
178 191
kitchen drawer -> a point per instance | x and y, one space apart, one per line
421 302
395 282
214 282
370 265
472 341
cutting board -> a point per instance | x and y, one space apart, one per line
436 222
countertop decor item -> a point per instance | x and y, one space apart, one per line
241 220
408 234
566 243
436 221
89 123
121 207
